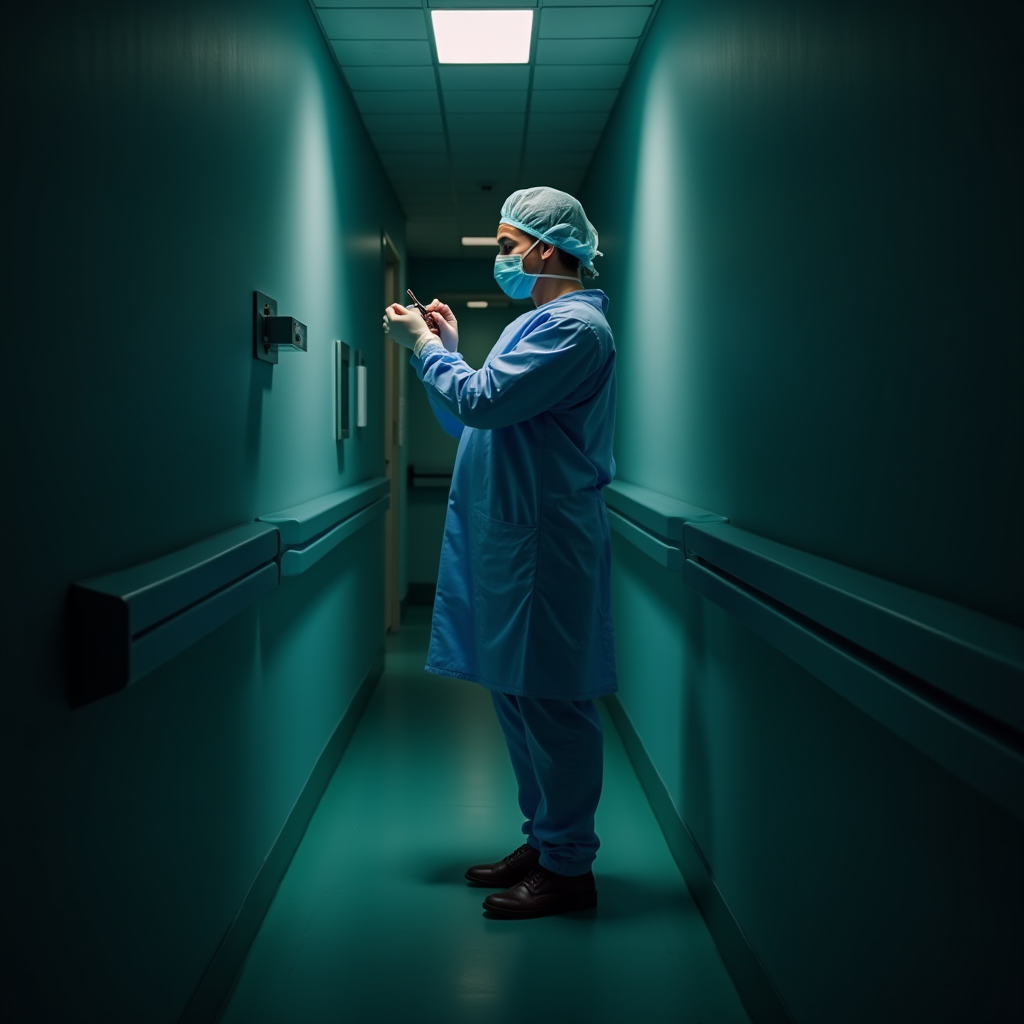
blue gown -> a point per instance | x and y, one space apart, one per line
523 601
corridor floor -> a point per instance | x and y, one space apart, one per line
374 921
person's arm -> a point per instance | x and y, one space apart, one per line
542 368
449 424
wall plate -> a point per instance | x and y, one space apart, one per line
262 305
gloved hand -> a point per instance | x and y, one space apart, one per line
406 326
445 324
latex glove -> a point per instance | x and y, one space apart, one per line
445 324
407 327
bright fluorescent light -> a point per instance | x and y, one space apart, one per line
479 240
483 37
477 305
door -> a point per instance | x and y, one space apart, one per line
393 423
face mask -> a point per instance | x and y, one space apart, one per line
513 280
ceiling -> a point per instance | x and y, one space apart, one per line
456 139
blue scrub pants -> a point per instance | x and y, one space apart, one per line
556 748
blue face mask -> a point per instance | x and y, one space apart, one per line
513 280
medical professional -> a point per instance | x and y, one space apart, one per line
523 605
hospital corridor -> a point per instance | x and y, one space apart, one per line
515 512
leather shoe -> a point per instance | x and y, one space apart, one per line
514 868
544 892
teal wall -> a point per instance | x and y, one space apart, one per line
811 219
164 160
428 444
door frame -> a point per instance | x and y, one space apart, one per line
394 401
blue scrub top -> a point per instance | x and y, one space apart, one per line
523 601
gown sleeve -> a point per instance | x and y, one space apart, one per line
449 424
539 371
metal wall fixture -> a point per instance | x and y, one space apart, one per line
271 333
342 363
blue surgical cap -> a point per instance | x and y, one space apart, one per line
556 218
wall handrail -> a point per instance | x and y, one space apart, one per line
300 524
947 679
972 657
296 560
126 623
429 476
655 512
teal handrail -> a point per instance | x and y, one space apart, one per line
947 679
311 530
125 624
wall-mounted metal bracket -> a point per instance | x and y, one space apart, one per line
342 362
271 333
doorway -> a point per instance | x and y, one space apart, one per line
393 425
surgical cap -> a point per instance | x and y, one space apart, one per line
556 218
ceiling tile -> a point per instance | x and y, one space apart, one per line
390 78
554 101
561 142
327 4
597 3
486 123
397 102
376 52
452 4
585 51
492 101
534 161
577 121
484 76
412 123
405 142
370 23
591 22
575 76
504 144
410 181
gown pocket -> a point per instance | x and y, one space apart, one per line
504 574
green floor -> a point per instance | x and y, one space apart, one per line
374 921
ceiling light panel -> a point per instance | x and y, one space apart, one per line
585 51
592 22
482 37
377 52
371 23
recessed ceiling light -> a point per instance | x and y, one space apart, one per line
479 240
483 37
477 305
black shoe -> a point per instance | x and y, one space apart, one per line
514 868
544 892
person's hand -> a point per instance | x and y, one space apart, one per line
406 326
445 324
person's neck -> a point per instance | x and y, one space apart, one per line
547 288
